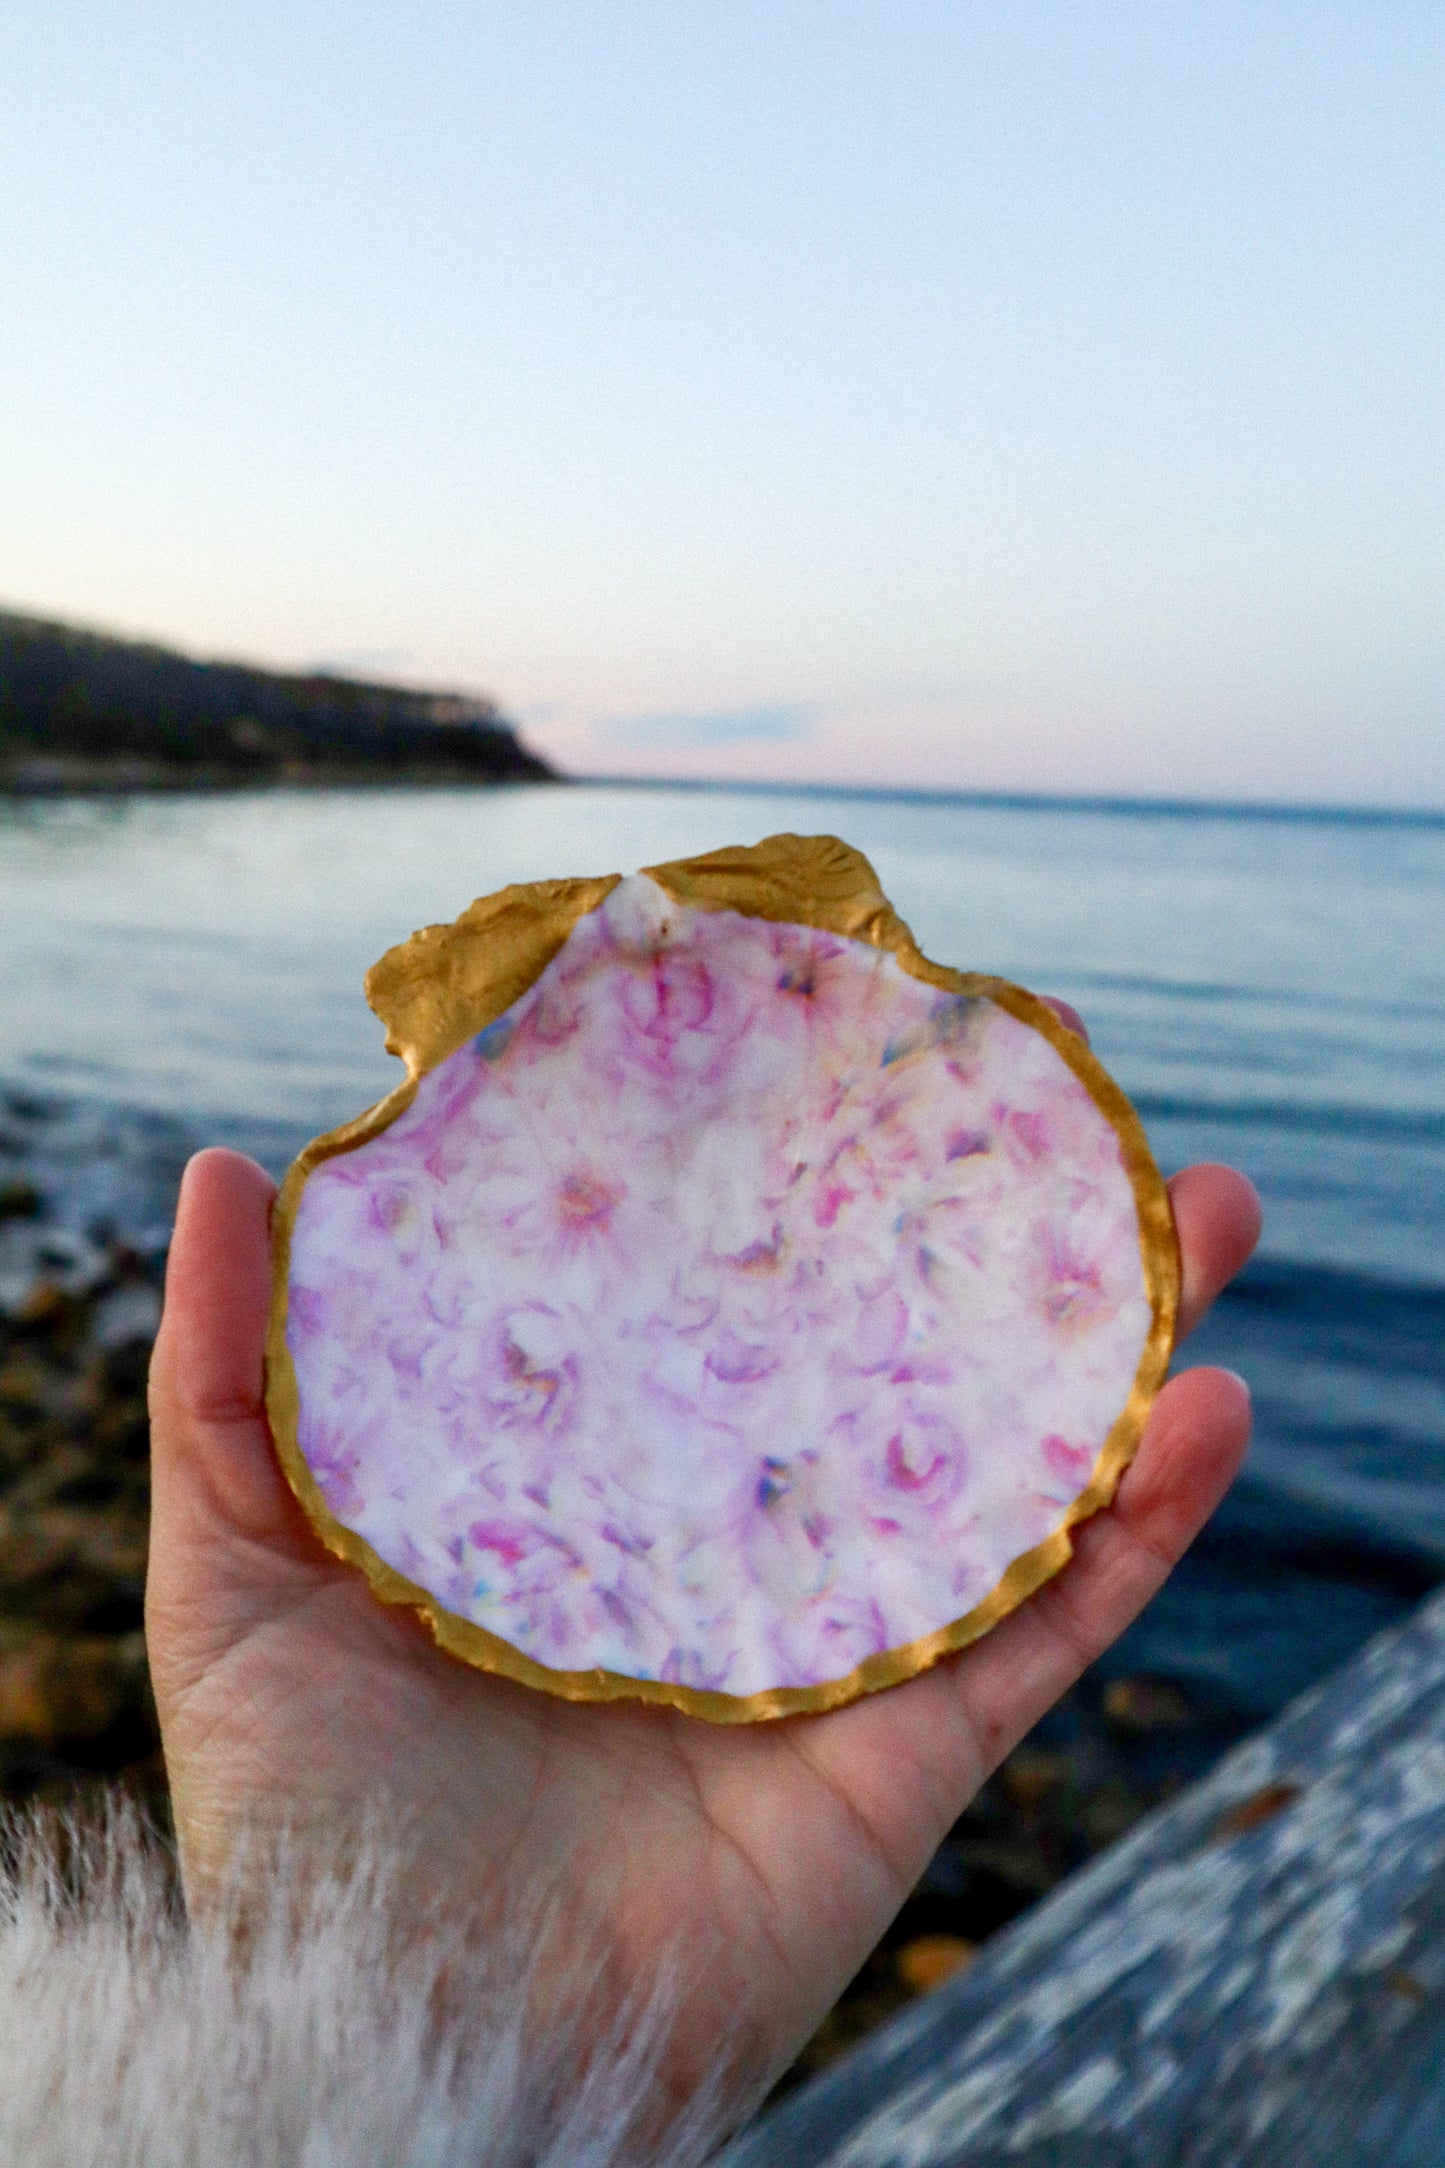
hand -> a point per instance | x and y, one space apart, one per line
771 1856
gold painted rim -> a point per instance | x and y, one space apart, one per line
446 983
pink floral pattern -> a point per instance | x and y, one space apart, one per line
734 1308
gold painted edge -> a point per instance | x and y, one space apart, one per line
446 982
814 881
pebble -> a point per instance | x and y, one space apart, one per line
125 1316
928 1960
56 1688
35 1257
1145 1704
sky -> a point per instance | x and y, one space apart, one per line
1010 397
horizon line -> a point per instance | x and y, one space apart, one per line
1029 801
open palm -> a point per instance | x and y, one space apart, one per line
767 1858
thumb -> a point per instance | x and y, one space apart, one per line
222 1516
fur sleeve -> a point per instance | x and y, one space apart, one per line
128 2040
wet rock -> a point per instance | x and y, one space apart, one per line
55 1688
35 1259
869 2003
1109 1811
30 1387
1031 1776
127 1317
37 1547
1146 1704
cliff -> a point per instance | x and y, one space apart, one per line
80 710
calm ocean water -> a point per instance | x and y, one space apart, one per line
1270 991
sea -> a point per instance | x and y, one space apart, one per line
1267 985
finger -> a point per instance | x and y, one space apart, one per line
1217 1213
1192 1447
1067 1015
909 1761
218 1290
210 1444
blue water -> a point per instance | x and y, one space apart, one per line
1269 989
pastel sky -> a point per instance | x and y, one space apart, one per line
983 396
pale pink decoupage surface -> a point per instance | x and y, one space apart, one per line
735 1308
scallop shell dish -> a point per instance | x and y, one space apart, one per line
732 1309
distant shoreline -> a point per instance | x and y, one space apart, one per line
45 777
83 712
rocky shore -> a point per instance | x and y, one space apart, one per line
78 1316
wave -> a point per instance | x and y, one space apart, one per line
1381 1125
1228 993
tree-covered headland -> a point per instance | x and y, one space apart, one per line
81 710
